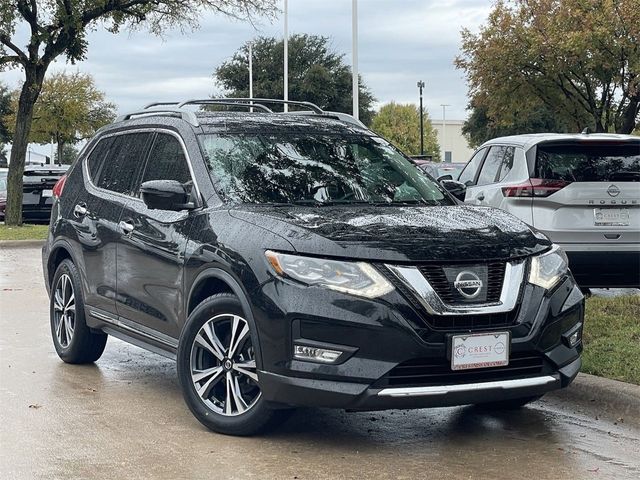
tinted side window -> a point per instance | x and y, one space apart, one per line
491 166
96 159
121 167
469 172
167 161
507 162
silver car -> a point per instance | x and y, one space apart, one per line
583 191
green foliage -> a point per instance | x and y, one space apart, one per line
400 124
70 108
316 74
5 111
479 127
69 154
612 338
576 62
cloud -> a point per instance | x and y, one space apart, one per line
400 42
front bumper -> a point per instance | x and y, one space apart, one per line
310 392
388 335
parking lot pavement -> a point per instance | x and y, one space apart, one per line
124 418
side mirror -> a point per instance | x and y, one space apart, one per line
455 188
165 195
445 177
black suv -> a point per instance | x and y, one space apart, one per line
300 259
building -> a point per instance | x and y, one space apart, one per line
454 146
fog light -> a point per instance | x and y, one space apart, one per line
575 338
314 354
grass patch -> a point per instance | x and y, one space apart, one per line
25 232
612 338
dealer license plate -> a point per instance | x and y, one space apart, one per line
481 350
612 217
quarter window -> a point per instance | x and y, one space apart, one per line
96 159
167 161
507 162
122 165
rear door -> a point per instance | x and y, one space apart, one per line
151 253
111 170
588 192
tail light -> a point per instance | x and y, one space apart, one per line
59 186
535 187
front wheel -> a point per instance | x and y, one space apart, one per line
217 369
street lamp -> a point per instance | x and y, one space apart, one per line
421 86
444 116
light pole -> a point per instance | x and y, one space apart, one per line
444 116
354 49
286 53
251 73
421 86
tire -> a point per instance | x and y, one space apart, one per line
512 404
73 340
221 390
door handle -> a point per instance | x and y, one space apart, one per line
80 210
126 227
480 197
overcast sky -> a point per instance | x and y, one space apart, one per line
400 42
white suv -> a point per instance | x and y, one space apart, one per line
583 191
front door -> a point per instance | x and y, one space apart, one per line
151 247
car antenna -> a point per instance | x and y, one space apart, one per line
586 131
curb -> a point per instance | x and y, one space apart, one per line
607 398
21 243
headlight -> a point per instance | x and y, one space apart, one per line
547 269
356 278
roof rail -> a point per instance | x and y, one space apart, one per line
157 104
184 114
256 101
225 101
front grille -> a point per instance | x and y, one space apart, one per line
435 371
473 322
441 279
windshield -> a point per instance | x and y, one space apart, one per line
315 169
589 163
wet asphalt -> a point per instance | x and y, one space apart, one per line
124 418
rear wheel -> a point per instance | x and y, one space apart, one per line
73 340
218 372
512 404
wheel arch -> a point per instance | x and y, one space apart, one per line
205 285
59 251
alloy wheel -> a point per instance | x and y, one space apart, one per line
223 365
64 310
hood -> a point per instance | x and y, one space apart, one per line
399 234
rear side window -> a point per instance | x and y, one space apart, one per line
588 162
121 167
491 166
167 161
469 173
96 158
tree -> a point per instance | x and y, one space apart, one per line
577 60
400 124
5 111
316 74
479 127
60 29
69 154
70 108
